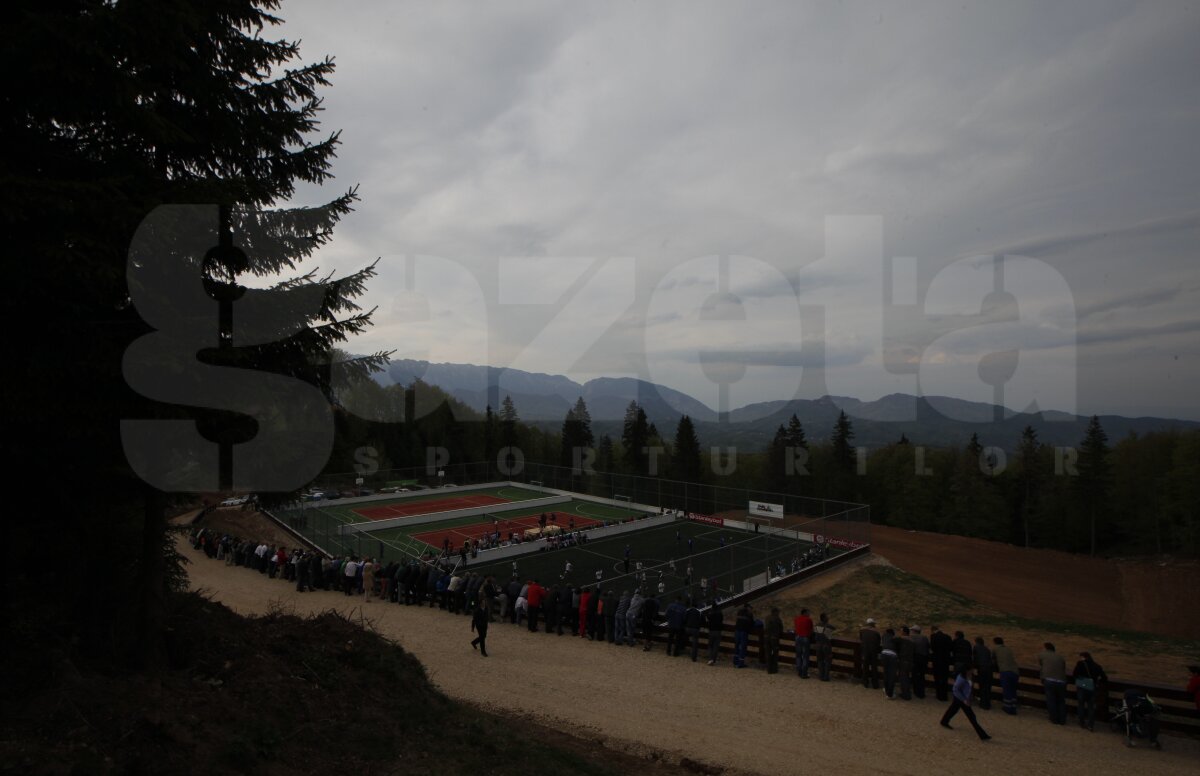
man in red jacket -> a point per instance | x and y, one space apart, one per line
1193 685
803 625
534 596
584 597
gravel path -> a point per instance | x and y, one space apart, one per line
746 720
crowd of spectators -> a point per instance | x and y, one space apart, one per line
898 660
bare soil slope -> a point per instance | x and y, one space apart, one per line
1137 595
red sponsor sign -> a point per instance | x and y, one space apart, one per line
841 543
705 519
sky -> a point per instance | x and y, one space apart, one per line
759 201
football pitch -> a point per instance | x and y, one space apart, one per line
704 561
720 560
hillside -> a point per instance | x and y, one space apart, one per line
283 694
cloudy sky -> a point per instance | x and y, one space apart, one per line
754 201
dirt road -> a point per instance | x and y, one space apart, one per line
767 724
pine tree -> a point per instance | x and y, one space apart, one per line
1094 482
508 422
189 102
569 438
686 461
842 454
843 450
776 461
583 424
1030 477
795 434
635 435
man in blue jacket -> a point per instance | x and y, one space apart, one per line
962 700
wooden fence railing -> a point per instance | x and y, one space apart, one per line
1180 714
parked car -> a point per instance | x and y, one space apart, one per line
235 501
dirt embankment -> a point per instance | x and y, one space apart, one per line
1040 584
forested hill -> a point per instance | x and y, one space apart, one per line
543 400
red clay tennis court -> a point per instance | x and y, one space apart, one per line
459 534
421 507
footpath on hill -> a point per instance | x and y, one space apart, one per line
646 703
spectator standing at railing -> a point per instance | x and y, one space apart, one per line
621 622
534 596
1054 683
675 614
961 651
631 617
869 642
715 623
565 605
594 623
350 576
514 592
368 579
823 639
941 649
904 662
550 608
890 660
454 591
741 634
649 613
803 627
920 644
772 634
982 657
691 627
610 616
1088 675
585 602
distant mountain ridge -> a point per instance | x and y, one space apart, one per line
543 400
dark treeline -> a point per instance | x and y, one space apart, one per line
1135 496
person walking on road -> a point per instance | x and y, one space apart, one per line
962 702
479 626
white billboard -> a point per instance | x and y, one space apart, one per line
763 509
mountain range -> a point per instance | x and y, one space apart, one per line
543 400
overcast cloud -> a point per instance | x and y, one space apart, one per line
703 192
